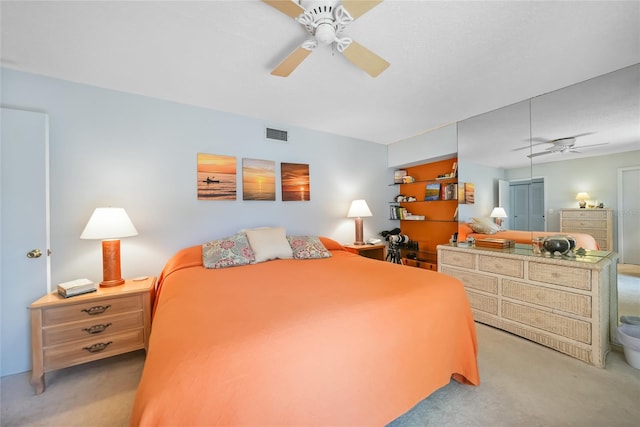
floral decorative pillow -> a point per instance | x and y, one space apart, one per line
307 247
227 252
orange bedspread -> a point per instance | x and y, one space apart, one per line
344 340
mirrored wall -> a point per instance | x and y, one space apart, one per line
535 157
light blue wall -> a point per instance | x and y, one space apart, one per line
485 180
110 148
563 180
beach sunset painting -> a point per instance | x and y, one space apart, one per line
295 182
216 177
258 179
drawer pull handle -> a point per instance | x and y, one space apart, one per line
95 348
96 329
96 309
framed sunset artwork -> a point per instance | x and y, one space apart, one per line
216 177
258 179
295 182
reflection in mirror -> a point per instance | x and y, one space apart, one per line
582 138
484 154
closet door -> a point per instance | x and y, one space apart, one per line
25 265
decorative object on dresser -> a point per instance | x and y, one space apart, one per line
595 222
563 303
498 213
358 210
582 198
109 225
92 326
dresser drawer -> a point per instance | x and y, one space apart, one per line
458 259
585 214
551 298
92 328
577 278
505 266
77 352
90 310
474 280
483 303
550 322
583 223
598 233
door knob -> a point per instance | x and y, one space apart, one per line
36 253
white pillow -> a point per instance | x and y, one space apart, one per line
484 226
269 243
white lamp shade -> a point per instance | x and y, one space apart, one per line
498 213
108 223
359 209
582 196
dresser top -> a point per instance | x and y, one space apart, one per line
592 259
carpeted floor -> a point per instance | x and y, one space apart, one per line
522 384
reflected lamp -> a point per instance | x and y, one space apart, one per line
498 213
582 198
359 210
109 225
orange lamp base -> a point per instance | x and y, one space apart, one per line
111 275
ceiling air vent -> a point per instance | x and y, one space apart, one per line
277 135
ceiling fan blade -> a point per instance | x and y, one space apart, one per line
593 145
363 58
286 6
357 8
532 145
542 153
291 62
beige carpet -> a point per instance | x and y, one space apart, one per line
523 384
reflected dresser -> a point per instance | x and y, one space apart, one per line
559 302
596 222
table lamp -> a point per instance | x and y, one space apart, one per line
109 225
498 213
582 198
358 210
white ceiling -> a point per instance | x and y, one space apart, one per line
449 60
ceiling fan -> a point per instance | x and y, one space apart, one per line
325 21
561 145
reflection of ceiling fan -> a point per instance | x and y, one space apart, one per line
326 20
560 145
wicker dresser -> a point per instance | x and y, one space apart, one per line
596 222
560 303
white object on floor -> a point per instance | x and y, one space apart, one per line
629 336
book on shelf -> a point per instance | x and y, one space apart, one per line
495 243
432 191
398 212
76 287
450 191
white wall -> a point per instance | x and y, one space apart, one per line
434 145
115 149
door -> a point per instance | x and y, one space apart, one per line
526 202
24 218
629 215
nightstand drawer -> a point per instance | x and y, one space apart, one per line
90 310
95 328
77 352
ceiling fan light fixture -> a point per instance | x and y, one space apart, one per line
325 33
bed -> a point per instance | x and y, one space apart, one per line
583 240
342 340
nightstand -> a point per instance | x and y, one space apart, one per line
369 251
88 327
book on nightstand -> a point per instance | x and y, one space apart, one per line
76 287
